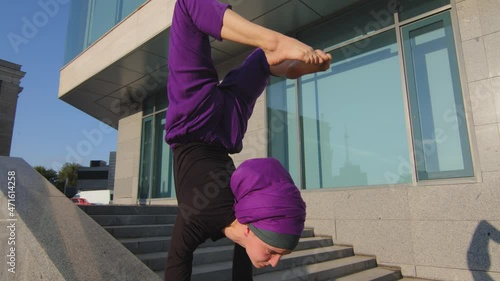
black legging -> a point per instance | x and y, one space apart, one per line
202 176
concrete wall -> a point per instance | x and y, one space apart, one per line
128 160
447 230
47 237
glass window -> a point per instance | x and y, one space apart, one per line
146 158
282 124
102 18
77 25
148 105
129 6
353 120
441 140
163 176
161 100
412 8
89 20
369 17
156 158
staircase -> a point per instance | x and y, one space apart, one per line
146 231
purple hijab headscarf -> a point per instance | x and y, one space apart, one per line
267 198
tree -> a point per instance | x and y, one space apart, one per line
49 174
68 171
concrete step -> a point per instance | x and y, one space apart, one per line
309 256
112 220
328 270
220 242
136 231
373 274
207 255
129 210
222 270
413 279
145 245
308 232
314 242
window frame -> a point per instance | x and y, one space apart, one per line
460 66
464 131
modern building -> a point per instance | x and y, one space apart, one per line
10 79
396 147
98 176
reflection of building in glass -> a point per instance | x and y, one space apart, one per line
10 78
350 174
318 152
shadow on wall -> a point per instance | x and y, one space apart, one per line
478 257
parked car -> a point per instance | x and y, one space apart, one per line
80 201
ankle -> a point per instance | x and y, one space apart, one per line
271 43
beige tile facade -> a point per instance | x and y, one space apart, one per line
127 160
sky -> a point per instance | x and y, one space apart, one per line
47 131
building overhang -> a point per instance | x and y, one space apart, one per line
110 79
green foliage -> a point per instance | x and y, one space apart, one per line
49 174
58 179
69 171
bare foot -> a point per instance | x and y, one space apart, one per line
293 69
282 48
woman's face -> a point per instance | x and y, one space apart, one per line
262 254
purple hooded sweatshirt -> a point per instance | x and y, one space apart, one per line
267 198
200 109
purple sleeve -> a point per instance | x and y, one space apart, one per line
206 15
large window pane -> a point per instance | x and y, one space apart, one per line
148 105
146 158
439 128
353 120
163 176
90 19
370 17
412 8
102 18
128 6
156 156
282 124
77 25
